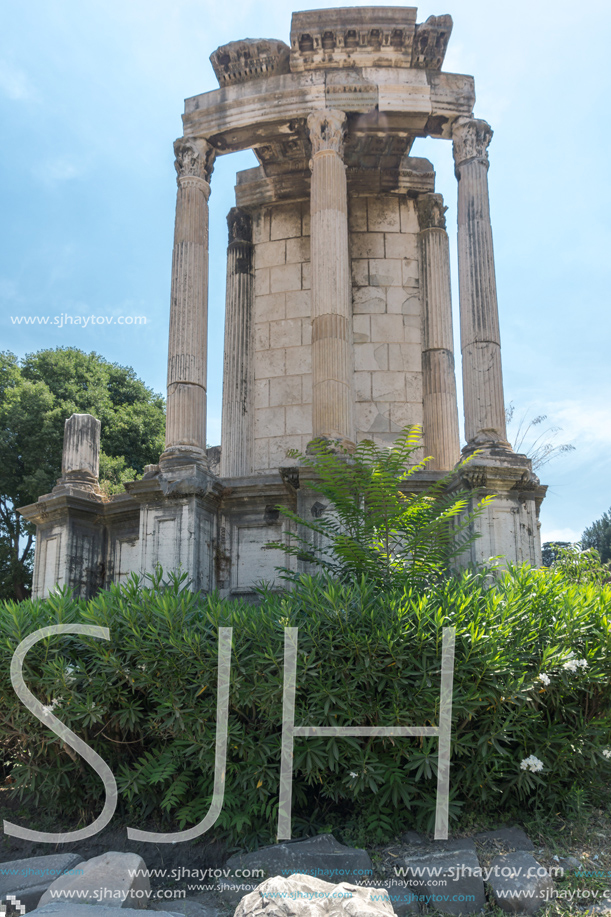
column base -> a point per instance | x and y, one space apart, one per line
509 526
179 456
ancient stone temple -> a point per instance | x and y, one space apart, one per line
338 309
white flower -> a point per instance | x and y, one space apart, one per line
532 764
70 678
606 752
51 707
543 678
573 664
353 775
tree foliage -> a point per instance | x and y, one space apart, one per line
598 536
382 524
37 395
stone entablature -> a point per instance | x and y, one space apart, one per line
249 59
338 318
368 37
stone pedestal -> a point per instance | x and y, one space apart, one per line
332 359
69 538
479 317
237 433
440 408
509 527
187 352
178 510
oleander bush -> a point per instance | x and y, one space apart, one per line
531 723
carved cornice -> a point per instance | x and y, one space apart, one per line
471 138
249 59
327 129
431 211
194 159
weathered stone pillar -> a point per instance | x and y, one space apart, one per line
332 370
81 452
238 373
479 320
187 353
441 439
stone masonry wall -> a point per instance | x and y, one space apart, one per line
387 315
387 323
283 371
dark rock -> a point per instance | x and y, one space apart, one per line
447 875
411 837
569 864
511 838
64 909
30 878
516 885
321 857
403 899
186 908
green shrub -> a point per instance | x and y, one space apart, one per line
379 525
532 678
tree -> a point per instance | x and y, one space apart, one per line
37 394
550 551
598 535
380 526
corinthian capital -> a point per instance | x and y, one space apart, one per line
471 140
194 158
327 129
431 211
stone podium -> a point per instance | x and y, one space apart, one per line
338 306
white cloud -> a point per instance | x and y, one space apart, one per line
15 83
55 171
565 534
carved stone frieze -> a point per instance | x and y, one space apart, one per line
368 37
194 158
327 129
249 59
431 211
471 138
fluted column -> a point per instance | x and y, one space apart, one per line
441 439
187 353
238 371
332 369
479 320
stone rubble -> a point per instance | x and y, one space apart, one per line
445 875
306 896
31 877
525 891
107 875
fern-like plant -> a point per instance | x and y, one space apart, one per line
382 524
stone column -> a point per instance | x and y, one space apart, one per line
332 370
81 452
238 372
479 320
441 439
187 353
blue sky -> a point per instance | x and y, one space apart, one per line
91 93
